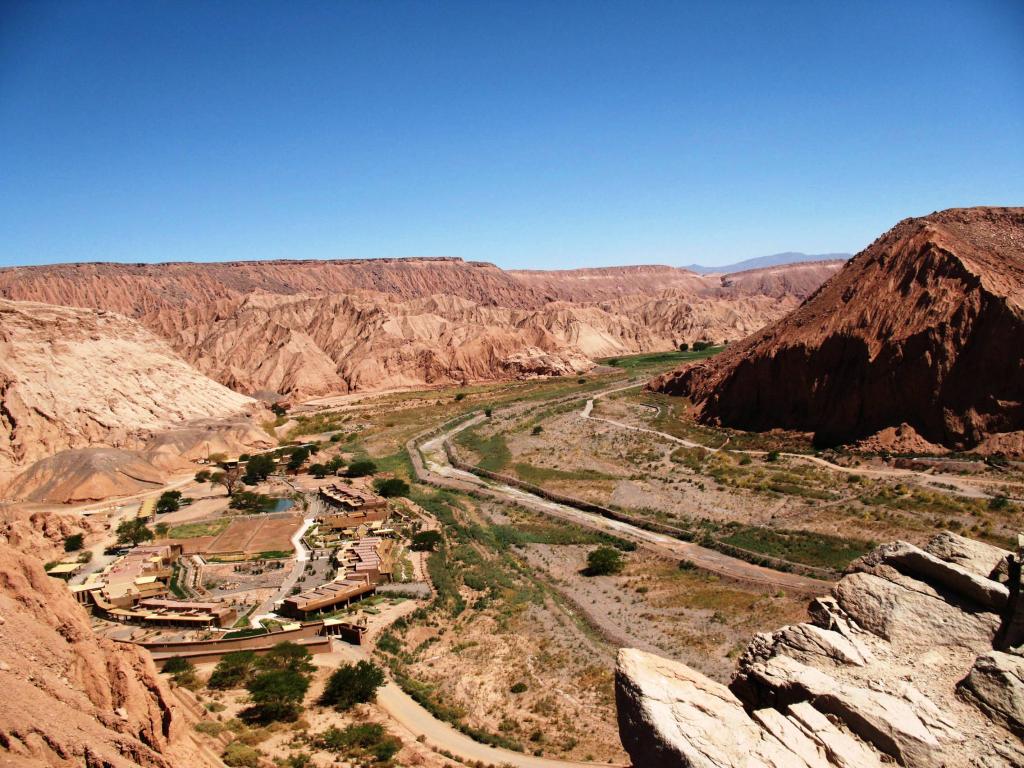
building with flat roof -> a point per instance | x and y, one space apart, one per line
365 563
136 588
348 498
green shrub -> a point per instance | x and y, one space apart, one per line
604 561
361 468
74 542
537 430
391 487
352 684
519 687
241 756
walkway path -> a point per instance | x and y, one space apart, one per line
265 611
417 722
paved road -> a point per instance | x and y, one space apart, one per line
265 611
438 470
417 722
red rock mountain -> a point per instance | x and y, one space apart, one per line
922 332
70 698
313 327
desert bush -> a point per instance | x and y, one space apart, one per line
352 684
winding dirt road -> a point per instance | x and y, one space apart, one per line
963 487
435 468
417 723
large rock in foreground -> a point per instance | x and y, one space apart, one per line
897 667
891 347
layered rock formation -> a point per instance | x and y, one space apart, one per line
71 378
919 334
897 665
312 327
68 697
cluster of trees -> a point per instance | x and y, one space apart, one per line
698 346
390 487
277 682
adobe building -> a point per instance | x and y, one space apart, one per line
347 508
365 563
136 588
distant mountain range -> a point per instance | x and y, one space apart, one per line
776 259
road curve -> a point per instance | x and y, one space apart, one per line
418 723
436 469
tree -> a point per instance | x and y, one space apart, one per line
459 396
426 541
203 476
352 684
334 465
233 670
169 501
684 347
318 471
182 671
74 542
700 346
603 561
297 459
229 478
276 695
133 532
391 487
488 412
361 468
258 468
772 456
537 430
286 655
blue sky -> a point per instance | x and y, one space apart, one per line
531 134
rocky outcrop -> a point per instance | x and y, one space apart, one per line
889 349
68 697
71 378
896 666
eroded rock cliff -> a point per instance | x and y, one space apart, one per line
922 333
68 698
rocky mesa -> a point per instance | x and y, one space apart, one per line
919 337
914 659
308 328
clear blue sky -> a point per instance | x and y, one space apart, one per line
531 134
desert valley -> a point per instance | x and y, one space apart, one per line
432 512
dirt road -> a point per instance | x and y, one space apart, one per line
416 722
932 480
437 470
